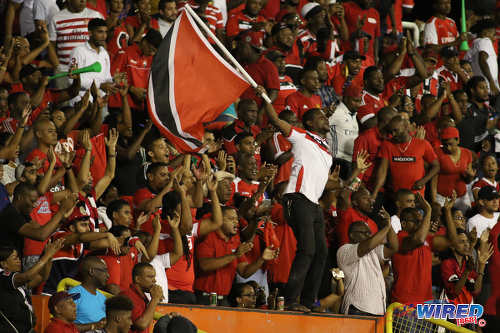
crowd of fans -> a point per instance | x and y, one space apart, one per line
370 179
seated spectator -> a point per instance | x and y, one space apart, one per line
63 309
118 314
360 261
143 281
243 296
15 305
90 308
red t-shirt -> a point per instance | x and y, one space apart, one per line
244 189
265 74
398 14
134 22
140 303
120 267
299 103
286 89
221 280
370 105
450 274
412 273
450 174
370 141
240 21
292 56
406 161
337 76
58 326
347 217
371 25
100 7
41 214
492 304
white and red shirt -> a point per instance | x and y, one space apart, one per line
440 31
445 74
279 146
311 164
69 30
286 89
370 105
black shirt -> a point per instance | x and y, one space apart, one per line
472 128
15 304
11 220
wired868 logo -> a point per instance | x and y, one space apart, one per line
462 313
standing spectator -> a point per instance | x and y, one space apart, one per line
363 22
440 30
372 99
476 121
360 261
247 112
138 25
394 21
404 156
489 169
90 309
306 98
16 221
220 255
118 314
167 13
348 72
455 170
248 19
287 87
75 18
344 128
310 174
488 210
462 280
92 51
143 277
404 199
63 309
482 55
43 11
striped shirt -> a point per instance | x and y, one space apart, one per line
364 281
69 30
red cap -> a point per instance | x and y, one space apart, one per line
60 296
449 133
251 37
430 54
354 90
79 213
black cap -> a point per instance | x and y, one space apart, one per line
273 55
278 27
154 37
449 52
482 25
27 70
488 193
353 55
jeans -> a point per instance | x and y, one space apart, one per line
306 220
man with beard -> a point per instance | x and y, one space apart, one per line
405 156
286 42
348 72
478 119
92 51
306 97
316 31
167 14
372 98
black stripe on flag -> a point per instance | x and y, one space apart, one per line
160 77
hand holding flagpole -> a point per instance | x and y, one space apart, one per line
225 51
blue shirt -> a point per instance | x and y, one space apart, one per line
89 308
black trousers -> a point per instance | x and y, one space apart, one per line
306 220
181 297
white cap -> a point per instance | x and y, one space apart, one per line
307 8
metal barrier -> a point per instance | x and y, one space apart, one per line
403 319
415 30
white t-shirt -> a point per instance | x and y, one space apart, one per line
483 45
482 223
26 23
44 10
343 131
164 26
396 224
159 263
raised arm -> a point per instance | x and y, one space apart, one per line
371 243
283 126
418 238
215 222
109 174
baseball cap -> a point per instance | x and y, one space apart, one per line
27 70
488 193
79 213
449 133
353 55
354 90
273 55
449 52
278 27
310 9
60 296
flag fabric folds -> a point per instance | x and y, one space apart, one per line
190 84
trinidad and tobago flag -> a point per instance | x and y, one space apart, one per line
190 84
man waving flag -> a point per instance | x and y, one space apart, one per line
190 84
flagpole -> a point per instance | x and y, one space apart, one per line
225 51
